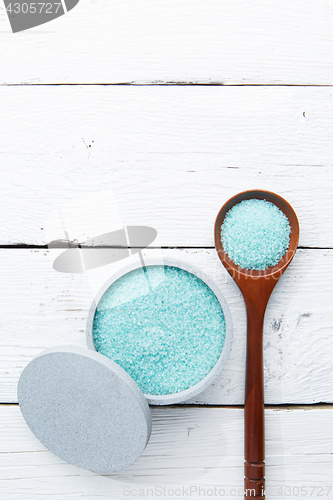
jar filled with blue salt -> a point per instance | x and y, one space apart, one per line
168 326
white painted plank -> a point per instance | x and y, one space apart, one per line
170 156
175 41
42 309
189 448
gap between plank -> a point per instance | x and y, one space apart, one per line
283 406
64 245
167 84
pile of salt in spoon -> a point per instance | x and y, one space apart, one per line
255 234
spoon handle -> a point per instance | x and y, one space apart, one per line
254 413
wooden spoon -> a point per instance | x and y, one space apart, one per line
256 287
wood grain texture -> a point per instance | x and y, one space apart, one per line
204 41
42 309
170 156
189 447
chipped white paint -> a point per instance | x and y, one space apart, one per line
189 447
42 309
175 41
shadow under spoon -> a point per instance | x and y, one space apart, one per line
256 287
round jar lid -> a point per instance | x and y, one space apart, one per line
85 409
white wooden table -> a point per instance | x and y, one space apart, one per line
172 107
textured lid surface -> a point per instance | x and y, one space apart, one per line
85 409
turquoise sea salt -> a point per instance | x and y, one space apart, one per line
255 234
163 325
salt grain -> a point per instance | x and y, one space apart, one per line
255 234
167 338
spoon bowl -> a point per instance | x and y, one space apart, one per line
256 287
